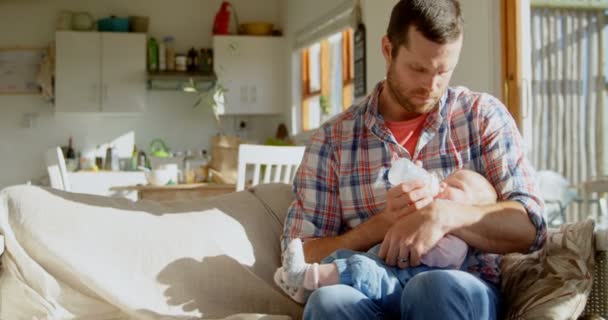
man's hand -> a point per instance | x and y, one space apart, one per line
404 199
414 235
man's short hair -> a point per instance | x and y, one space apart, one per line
438 20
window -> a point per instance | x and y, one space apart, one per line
327 78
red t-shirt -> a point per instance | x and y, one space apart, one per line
407 132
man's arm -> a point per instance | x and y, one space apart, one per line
510 225
497 228
361 238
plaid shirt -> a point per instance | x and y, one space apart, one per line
342 180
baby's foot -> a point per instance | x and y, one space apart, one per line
294 265
298 294
296 272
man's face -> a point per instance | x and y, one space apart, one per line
419 74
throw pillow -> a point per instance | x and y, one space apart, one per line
554 282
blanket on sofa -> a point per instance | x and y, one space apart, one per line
80 256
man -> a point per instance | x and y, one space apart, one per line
344 199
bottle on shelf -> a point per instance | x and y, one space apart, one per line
152 54
134 156
71 162
202 174
169 53
162 49
189 174
70 153
192 60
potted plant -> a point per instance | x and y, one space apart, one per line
212 98
224 148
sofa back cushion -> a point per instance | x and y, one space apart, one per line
90 256
276 197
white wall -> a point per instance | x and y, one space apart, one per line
480 62
480 65
31 23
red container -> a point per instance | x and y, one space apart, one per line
222 19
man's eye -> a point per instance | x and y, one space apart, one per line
418 69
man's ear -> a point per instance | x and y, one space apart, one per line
387 50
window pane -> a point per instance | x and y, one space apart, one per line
315 67
314 112
335 98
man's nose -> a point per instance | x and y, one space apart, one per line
431 83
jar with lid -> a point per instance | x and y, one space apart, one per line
180 62
196 167
202 173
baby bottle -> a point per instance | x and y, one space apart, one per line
404 170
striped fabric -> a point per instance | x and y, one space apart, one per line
342 180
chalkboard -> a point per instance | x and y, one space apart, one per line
18 70
360 63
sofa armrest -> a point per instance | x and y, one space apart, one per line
601 239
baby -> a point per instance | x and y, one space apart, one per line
368 273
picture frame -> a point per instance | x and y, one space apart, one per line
19 67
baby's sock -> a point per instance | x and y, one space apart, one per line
296 272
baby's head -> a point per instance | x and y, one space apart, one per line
468 187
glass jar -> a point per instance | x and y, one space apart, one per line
196 167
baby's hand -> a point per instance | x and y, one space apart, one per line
442 194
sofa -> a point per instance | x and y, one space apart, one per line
75 256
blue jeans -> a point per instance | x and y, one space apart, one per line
369 289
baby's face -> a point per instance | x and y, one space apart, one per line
453 189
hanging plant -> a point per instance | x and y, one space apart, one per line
213 98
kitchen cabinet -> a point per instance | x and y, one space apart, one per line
100 72
253 70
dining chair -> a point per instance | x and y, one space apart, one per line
57 170
275 163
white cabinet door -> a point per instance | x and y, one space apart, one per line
77 79
252 69
123 72
100 72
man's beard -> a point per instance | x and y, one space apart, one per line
403 101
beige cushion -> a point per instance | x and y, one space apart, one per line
276 197
554 282
96 257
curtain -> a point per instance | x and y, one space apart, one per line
567 94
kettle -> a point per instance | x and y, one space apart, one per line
159 148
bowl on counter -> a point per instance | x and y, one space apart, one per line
256 28
159 177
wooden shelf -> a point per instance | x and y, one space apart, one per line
176 80
178 75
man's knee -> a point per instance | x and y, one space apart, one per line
449 292
339 302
